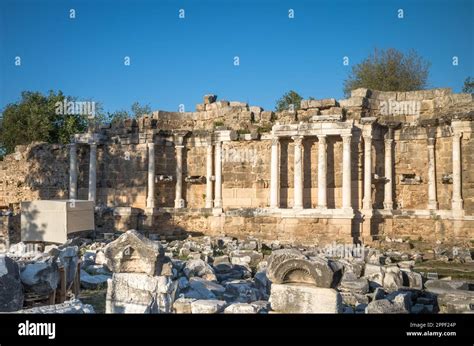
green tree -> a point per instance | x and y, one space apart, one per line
137 110
468 85
389 70
288 99
35 118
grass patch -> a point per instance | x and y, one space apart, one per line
96 298
462 271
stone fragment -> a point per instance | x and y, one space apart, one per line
203 289
40 277
422 309
73 306
134 253
351 283
197 267
262 306
183 305
93 282
256 109
238 104
392 281
456 302
11 290
210 98
207 306
249 258
240 308
374 273
323 103
302 298
227 271
443 286
360 92
68 258
412 279
242 291
290 266
384 306
139 293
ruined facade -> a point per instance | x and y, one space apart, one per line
397 164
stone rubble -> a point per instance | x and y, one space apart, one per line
226 275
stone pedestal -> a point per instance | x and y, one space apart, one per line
302 298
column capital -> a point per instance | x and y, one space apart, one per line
431 141
298 140
275 140
367 135
346 138
457 134
322 139
150 144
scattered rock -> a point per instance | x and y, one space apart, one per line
241 308
207 306
11 290
133 253
299 298
42 277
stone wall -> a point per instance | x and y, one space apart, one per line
41 171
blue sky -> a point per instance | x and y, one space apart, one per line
176 61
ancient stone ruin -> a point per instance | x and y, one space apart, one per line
376 164
234 209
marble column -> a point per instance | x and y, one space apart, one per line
346 172
432 200
298 176
275 174
73 171
92 172
367 200
218 176
322 172
209 154
388 199
457 202
179 201
150 198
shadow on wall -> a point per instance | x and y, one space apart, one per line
30 231
48 171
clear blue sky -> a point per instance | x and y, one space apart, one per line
176 61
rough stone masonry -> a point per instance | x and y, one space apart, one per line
397 164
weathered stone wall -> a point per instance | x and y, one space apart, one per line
41 171
36 171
